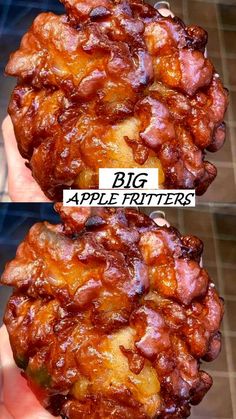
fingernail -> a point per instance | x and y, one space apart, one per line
158 214
162 5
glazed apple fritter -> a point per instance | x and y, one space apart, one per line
111 316
115 84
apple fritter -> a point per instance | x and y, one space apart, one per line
115 84
111 316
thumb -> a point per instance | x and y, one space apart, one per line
21 185
22 403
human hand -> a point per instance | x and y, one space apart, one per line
19 402
21 185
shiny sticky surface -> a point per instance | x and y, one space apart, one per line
112 314
115 85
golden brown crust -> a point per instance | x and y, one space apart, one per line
115 84
111 316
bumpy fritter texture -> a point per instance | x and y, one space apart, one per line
112 315
115 84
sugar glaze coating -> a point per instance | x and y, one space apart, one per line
111 316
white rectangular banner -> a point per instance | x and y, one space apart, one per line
128 178
129 198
